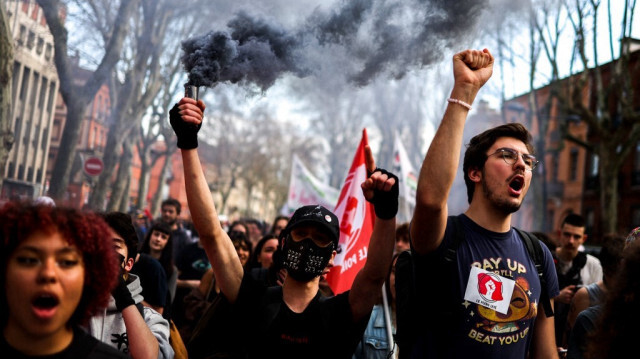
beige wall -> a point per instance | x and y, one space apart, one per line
35 85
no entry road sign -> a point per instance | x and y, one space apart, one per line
93 166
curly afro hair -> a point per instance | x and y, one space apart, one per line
87 231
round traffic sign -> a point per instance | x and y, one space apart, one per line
93 166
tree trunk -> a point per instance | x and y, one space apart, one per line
145 174
157 196
77 98
609 200
124 199
247 211
225 194
124 171
115 139
67 150
99 193
142 82
609 170
6 74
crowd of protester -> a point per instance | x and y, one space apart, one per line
79 284
153 264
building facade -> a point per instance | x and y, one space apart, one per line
567 181
35 85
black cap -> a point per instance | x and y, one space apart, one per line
317 215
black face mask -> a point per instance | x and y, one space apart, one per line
122 260
305 260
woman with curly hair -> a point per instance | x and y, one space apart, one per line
58 269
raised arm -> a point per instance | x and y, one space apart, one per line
186 120
471 70
142 342
381 188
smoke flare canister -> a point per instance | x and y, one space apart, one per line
191 91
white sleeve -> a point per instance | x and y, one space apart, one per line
160 329
592 271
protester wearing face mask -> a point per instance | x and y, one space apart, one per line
293 320
126 324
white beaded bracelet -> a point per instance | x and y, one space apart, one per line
461 103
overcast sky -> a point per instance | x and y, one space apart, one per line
359 51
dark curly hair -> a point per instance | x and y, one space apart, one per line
476 154
87 231
172 202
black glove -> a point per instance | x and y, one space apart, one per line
385 203
187 133
121 293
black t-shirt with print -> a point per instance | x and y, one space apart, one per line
324 330
83 345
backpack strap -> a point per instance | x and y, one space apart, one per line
532 243
572 275
407 308
458 237
578 263
415 302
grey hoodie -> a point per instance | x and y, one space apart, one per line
109 327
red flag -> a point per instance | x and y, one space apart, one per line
356 217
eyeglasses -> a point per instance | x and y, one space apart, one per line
511 156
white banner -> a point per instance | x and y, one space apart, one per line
306 189
408 180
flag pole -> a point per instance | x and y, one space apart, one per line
387 321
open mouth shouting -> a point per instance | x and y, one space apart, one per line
44 305
516 184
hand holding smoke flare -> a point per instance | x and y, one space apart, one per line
374 36
186 119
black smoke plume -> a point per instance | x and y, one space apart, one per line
254 52
376 36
